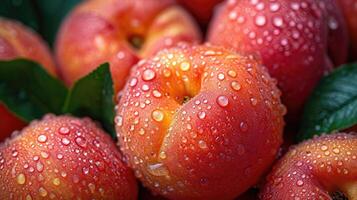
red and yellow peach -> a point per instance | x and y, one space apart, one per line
298 41
199 122
315 169
119 32
64 158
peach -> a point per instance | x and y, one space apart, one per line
315 169
349 9
63 157
199 122
119 32
201 9
298 41
17 41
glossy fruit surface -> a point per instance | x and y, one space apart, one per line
298 41
120 32
199 122
315 169
63 157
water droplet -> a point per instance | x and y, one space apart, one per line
299 183
278 21
295 6
28 197
332 23
156 93
222 101
260 20
65 141
220 76
162 155
235 86
42 138
240 19
121 55
158 169
324 147
133 82
253 101
141 131
64 130
157 115
185 66
39 167
81 141
42 191
243 126
85 170
145 87
59 156
202 144
201 115
274 6
14 153
118 120
232 73
336 150
148 75
167 73
21 179
233 15
56 181
44 154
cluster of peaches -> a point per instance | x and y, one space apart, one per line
195 118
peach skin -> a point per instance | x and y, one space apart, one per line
63 157
349 9
199 122
119 32
201 9
18 41
298 41
315 169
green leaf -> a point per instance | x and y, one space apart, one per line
333 104
52 13
20 10
93 96
28 90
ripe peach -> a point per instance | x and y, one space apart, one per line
349 9
297 40
315 169
63 158
119 32
199 122
201 9
17 41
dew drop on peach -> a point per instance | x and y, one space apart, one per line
222 101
